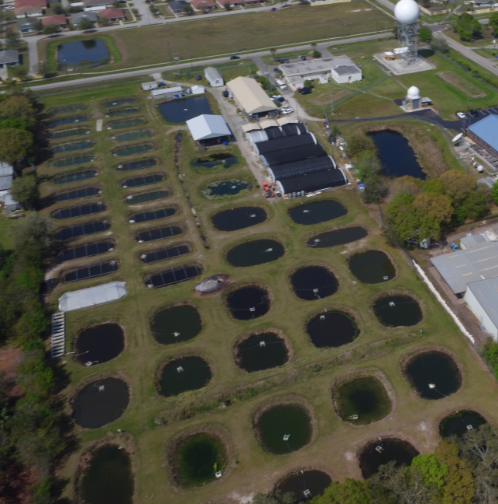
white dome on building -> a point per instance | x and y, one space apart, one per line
413 93
406 12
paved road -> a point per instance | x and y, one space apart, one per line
134 73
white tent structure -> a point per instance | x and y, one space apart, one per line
92 296
208 126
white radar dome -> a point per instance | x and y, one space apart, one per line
413 93
406 12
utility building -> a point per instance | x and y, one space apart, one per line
209 129
485 134
343 74
252 98
482 299
213 77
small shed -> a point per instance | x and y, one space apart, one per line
149 86
213 77
209 129
198 89
92 296
343 74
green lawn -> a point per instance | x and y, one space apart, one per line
310 372
5 232
201 38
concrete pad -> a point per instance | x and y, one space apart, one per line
399 67
100 123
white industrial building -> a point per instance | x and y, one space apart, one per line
6 177
341 68
482 299
168 93
209 128
149 86
93 296
213 77
251 97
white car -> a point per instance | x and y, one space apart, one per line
461 115
287 111
9 7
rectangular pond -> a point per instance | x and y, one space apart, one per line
91 52
180 111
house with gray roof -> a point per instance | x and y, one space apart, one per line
27 25
9 58
77 17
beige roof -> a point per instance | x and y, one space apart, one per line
250 127
268 123
285 120
250 95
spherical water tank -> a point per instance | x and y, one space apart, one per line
413 93
406 12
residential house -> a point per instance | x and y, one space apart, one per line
113 14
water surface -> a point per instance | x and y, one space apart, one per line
184 374
332 329
180 111
261 351
255 252
317 212
176 324
396 311
337 237
372 267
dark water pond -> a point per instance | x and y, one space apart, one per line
108 478
75 176
396 155
317 212
93 51
144 197
396 311
69 133
66 109
460 423
332 329
314 282
220 159
132 135
180 111
362 400
183 374
101 402
238 218
68 120
337 237
99 344
120 112
225 188
248 302
372 267
255 252
284 428
433 374
176 324
197 459
73 160
84 144
304 485
261 351
126 123
133 149
391 449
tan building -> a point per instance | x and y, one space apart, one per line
251 97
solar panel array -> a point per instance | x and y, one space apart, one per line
173 275
149 215
85 250
89 271
79 210
162 254
85 228
158 233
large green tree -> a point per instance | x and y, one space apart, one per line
467 26
493 22
425 34
437 206
458 186
350 492
18 107
25 191
15 145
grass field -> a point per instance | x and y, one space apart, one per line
228 34
310 373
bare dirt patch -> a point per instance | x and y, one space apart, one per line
324 98
467 87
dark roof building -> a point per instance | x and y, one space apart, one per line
77 17
177 6
9 58
312 182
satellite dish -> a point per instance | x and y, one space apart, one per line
406 12
460 135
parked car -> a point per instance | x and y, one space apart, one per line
474 113
234 57
280 60
461 115
287 111
198 77
303 58
273 9
9 7
305 90
286 60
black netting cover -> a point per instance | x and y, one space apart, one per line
274 132
304 167
293 155
285 143
313 181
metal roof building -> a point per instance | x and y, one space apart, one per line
466 266
482 299
250 96
92 296
208 126
213 77
485 134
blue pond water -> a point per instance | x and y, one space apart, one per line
180 111
74 53
396 155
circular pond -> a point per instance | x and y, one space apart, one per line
284 428
176 324
183 374
460 423
313 282
197 458
397 311
255 252
332 329
304 485
383 451
107 477
362 400
101 402
99 344
226 188
261 351
337 237
248 302
433 374
238 218
317 212
372 267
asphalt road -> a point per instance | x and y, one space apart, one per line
136 73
